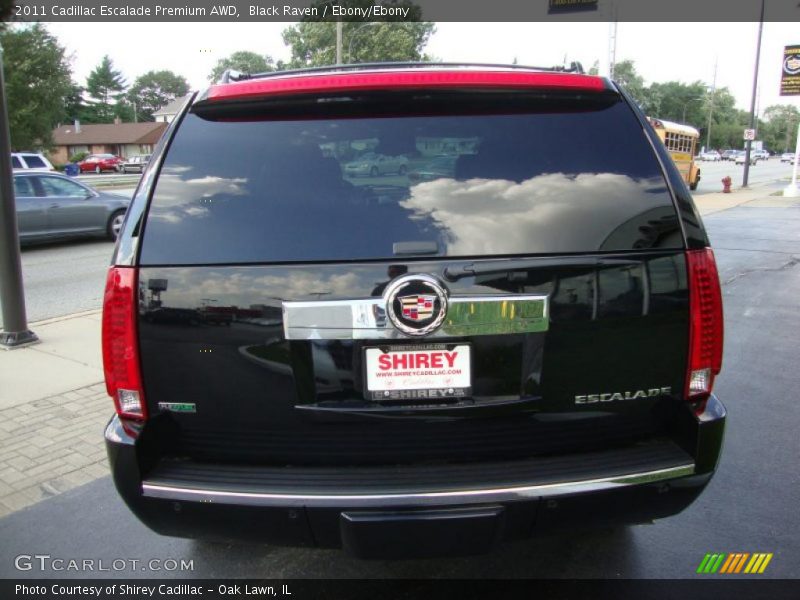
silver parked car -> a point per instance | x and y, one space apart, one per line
135 164
711 155
52 206
372 164
741 158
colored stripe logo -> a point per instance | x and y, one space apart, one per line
736 562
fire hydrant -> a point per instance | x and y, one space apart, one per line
726 184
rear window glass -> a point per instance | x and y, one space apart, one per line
34 162
247 190
15 163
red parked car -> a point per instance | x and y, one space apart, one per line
99 163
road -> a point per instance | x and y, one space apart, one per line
750 505
65 278
711 174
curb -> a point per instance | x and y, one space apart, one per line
281 368
77 315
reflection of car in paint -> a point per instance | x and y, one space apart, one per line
217 316
434 168
372 164
172 316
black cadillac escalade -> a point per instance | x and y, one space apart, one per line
512 327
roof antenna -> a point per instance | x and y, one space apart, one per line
576 67
229 75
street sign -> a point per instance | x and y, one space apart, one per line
749 134
790 74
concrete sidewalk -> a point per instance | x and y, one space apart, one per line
53 403
53 407
712 203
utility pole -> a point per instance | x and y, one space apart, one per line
612 45
339 42
12 294
711 105
791 190
135 116
749 144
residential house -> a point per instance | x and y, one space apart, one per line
121 139
165 114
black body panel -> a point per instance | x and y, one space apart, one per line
250 385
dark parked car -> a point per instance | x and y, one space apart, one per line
135 164
98 163
52 206
524 342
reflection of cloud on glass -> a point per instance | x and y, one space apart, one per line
496 216
208 186
175 169
176 204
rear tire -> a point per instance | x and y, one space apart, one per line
114 226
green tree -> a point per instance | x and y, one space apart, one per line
37 74
625 74
313 43
154 90
679 102
105 86
780 127
727 121
246 62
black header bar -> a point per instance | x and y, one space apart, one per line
232 11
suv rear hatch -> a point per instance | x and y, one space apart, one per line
542 212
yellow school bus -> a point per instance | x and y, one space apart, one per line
681 142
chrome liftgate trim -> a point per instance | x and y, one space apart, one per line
366 319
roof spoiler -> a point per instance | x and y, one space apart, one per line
232 75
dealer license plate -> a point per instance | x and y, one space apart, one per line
420 372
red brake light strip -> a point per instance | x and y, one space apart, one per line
344 82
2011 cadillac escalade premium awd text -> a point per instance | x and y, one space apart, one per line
526 338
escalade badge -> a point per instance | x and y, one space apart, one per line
416 304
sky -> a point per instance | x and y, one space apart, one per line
662 51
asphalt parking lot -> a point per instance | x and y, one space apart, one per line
750 506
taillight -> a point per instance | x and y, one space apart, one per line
705 334
120 345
